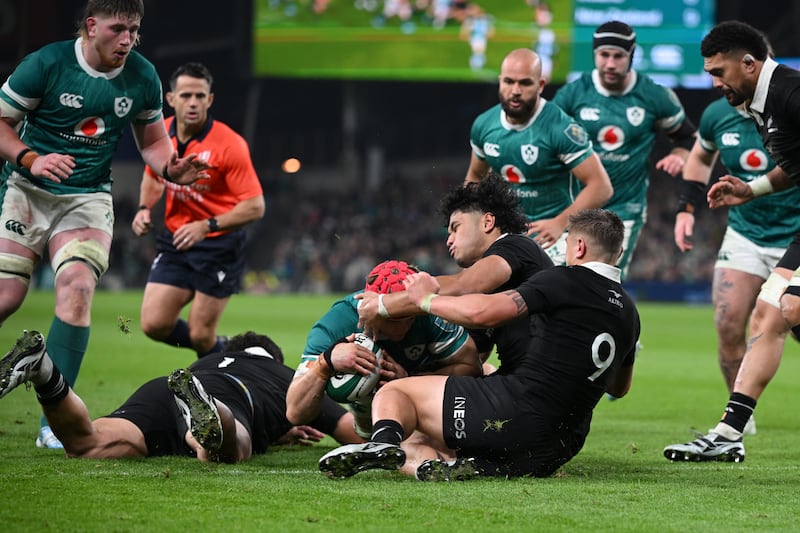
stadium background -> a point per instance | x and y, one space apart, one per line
376 155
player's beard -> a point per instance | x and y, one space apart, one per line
109 59
613 81
734 98
521 113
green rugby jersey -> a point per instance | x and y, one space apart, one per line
429 340
623 127
536 158
70 108
771 220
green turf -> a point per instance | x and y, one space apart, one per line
619 482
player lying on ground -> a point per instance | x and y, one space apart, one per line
225 407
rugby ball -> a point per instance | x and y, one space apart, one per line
345 388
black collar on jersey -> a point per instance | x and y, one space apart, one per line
173 132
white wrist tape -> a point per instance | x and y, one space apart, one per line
760 186
425 304
382 311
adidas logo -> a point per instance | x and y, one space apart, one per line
16 226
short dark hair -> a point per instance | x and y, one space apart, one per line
193 70
251 339
602 226
491 195
110 8
732 36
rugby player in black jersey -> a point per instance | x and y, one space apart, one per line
225 407
584 330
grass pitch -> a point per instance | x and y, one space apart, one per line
619 482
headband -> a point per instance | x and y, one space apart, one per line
614 39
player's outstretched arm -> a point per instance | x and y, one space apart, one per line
696 174
730 190
157 151
150 191
469 310
306 391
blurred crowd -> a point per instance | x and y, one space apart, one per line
328 240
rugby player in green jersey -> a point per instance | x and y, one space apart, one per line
623 111
63 110
545 154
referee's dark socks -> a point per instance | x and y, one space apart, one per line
219 346
387 431
53 390
738 411
180 335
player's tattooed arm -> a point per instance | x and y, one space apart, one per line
522 307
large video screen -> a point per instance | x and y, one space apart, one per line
457 40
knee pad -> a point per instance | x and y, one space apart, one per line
89 252
773 289
16 267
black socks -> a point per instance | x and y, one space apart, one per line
387 431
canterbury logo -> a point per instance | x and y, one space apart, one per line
71 100
16 226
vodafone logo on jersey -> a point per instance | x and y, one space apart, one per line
512 174
753 160
90 127
610 138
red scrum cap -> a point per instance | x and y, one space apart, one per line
387 277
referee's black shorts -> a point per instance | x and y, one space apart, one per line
212 266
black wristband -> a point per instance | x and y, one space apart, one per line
329 352
693 195
165 174
21 154
213 225
143 207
